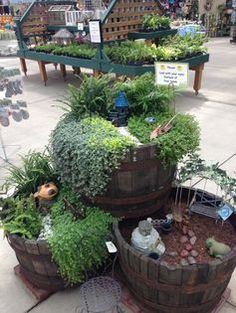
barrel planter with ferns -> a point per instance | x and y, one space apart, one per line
36 263
140 186
166 287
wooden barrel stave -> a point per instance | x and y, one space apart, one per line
36 263
174 289
140 186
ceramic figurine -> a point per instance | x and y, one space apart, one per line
45 195
216 249
146 239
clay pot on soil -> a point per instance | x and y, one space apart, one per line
153 255
166 228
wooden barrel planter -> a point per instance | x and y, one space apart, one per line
166 288
140 187
36 263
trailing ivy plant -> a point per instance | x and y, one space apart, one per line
182 139
95 96
194 165
21 217
86 152
78 245
36 170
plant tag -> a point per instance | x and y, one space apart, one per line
111 247
225 212
80 26
161 248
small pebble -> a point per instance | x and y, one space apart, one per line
193 240
188 247
172 253
191 260
185 230
191 233
184 253
184 262
183 239
194 253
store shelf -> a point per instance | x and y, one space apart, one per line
152 35
60 59
133 70
58 27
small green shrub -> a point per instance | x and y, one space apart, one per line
78 246
87 152
174 145
129 52
74 50
36 170
145 97
155 22
45 48
94 97
178 47
21 217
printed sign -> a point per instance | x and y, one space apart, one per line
95 31
80 26
175 74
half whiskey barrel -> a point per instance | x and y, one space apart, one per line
140 186
36 263
164 288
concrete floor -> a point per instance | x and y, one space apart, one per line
214 108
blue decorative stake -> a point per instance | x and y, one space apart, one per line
121 101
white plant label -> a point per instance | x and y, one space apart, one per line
80 26
95 31
175 74
111 247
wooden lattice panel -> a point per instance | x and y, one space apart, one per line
37 21
126 16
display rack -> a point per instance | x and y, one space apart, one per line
121 20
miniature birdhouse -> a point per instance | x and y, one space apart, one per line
119 116
121 102
63 37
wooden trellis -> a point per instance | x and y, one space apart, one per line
125 16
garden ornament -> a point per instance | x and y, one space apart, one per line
146 239
162 129
119 116
215 248
46 191
45 195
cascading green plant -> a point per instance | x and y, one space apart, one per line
86 152
78 245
